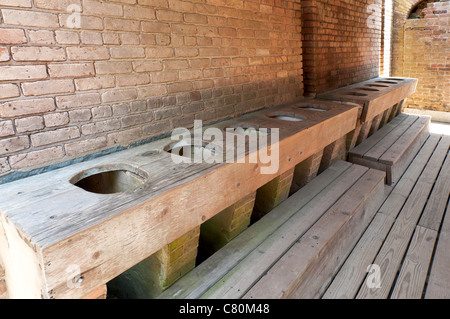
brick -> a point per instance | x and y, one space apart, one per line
179 64
29 124
156 128
91 37
87 22
86 146
78 100
48 87
127 52
110 38
67 37
58 5
101 111
4 54
93 7
16 3
12 36
36 158
155 27
100 127
8 91
138 106
154 3
6 128
124 137
181 28
148 38
4 168
179 87
41 37
186 52
117 95
160 52
87 53
71 70
38 54
136 119
163 77
131 38
190 74
51 137
26 107
121 24
20 73
30 18
56 119
113 67
95 83
147 66
132 80
79 116
168 15
139 13
14 144
151 90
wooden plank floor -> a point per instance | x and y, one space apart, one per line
405 250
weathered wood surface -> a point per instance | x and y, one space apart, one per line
292 276
376 95
393 147
205 279
61 225
351 275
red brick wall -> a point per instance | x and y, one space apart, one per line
339 46
135 69
426 57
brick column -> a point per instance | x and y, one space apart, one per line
272 194
152 276
223 227
305 171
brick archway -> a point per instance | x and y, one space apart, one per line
401 11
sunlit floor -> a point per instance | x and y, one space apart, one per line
440 128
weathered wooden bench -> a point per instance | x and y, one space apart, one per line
381 98
393 147
408 239
72 219
293 251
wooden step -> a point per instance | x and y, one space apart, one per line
307 266
393 147
335 204
351 275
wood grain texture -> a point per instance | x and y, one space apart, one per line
104 235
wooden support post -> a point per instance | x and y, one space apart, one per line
98 293
364 132
333 152
375 124
223 227
400 107
305 171
352 137
271 194
150 277
385 117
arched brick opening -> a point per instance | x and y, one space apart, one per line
420 49
401 11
